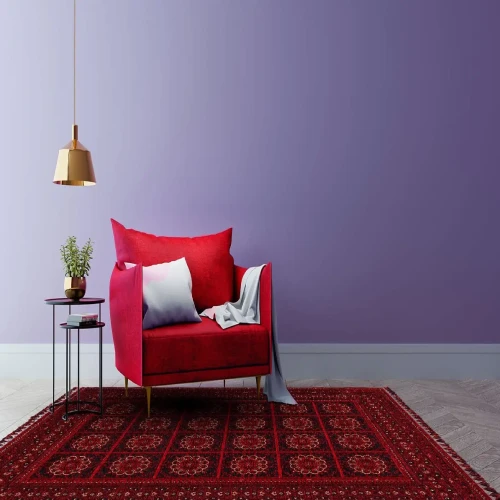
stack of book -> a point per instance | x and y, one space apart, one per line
87 319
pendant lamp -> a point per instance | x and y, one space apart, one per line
74 162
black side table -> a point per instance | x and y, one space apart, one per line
68 328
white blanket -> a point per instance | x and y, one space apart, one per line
247 310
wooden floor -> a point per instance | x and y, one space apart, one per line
465 413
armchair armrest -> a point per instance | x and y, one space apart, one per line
125 307
265 297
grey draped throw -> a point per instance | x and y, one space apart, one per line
247 310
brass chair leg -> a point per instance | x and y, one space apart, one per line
126 387
148 398
257 378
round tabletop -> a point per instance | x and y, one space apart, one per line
99 324
63 301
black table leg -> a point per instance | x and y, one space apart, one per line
69 358
100 364
52 408
69 364
78 368
66 414
100 361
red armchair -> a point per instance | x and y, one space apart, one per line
188 352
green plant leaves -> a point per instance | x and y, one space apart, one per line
76 262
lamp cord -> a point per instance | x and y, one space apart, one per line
74 61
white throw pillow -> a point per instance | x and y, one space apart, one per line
166 294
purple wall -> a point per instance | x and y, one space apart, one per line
355 144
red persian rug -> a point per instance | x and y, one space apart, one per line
225 443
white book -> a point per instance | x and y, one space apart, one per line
82 318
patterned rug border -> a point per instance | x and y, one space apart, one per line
440 443
26 426
38 416
475 476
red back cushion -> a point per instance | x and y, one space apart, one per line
208 258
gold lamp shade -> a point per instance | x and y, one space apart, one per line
74 164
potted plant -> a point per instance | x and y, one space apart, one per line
76 267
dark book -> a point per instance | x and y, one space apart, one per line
81 323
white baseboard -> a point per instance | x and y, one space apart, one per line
391 361
332 361
28 361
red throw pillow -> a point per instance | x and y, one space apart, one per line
208 258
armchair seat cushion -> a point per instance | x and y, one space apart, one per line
203 346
